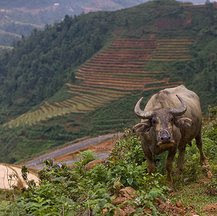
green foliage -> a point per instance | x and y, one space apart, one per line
37 139
39 66
210 140
50 57
65 191
86 157
75 191
212 187
200 76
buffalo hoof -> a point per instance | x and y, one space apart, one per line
206 169
170 181
209 174
179 171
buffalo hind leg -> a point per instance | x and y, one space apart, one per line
199 144
203 159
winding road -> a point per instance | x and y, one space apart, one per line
37 163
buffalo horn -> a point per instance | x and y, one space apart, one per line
180 110
140 113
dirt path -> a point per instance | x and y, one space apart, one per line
11 176
37 163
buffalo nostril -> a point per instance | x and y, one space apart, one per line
165 138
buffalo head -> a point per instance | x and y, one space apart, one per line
161 122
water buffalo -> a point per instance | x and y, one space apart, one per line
170 120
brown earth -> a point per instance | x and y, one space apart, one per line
210 209
105 146
11 176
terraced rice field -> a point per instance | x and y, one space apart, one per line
111 74
172 50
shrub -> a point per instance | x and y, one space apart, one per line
65 191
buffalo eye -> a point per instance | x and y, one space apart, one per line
154 121
171 119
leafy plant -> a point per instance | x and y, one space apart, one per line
65 191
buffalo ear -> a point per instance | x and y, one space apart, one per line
183 122
143 126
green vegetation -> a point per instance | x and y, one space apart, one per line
75 191
120 184
23 142
50 57
33 75
37 62
200 73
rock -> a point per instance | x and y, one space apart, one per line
119 212
119 200
93 163
104 211
210 208
179 204
129 210
128 192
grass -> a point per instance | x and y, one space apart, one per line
63 129
195 195
96 189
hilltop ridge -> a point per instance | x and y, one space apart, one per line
20 18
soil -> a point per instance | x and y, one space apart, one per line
105 146
101 145
210 209
11 176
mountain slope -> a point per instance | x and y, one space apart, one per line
50 57
121 184
111 74
82 76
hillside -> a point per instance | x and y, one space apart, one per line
19 18
121 185
82 77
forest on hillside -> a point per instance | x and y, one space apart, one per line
39 66
50 57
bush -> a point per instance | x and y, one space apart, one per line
75 191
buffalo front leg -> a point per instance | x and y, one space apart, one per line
149 158
150 166
203 159
169 163
181 158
